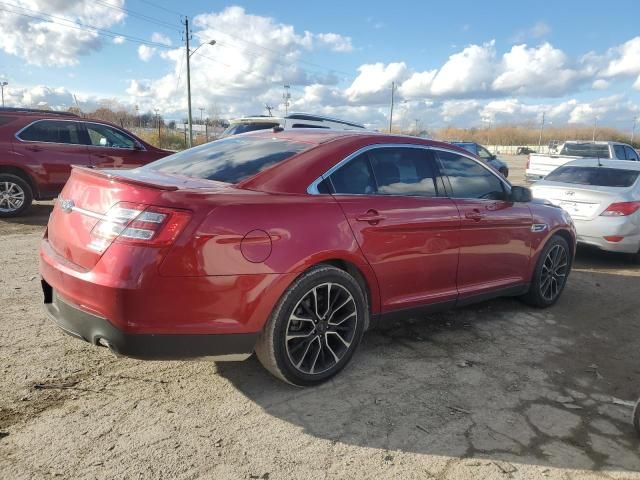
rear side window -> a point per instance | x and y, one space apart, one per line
619 149
469 179
404 171
590 150
231 159
631 153
596 176
52 131
105 136
354 178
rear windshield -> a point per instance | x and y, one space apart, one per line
237 128
590 150
596 176
230 160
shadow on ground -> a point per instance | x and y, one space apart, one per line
497 381
36 216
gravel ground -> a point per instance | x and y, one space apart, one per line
497 390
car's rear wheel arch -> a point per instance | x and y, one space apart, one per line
19 172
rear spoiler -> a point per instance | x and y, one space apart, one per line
123 177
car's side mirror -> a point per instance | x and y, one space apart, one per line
520 194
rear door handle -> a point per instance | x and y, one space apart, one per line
475 215
372 217
34 149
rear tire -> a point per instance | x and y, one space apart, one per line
16 195
550 275
635 418
315 328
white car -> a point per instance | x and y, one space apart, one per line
603 199
293 120
540 165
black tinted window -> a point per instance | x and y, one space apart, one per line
598 176
619 149
631 153
52 131
403 171
354 178
231 159
469 179
585 150
248 127
105 136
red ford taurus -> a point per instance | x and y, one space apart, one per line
291 244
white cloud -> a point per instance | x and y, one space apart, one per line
119 40
467 72
373 84
624 61
600 84
50 41
537 31
146 53
161 38
335 42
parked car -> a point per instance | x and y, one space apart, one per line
38 147
293 120
485 155
524 151
291 244
602 197
539 165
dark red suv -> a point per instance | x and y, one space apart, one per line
37 149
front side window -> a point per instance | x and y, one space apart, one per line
52 131
105 136
631 153
469 179
229 160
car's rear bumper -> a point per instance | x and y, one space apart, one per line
99 331
592 232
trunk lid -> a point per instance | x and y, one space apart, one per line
581 202
89 194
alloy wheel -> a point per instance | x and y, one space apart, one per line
554 272
11 197
321 328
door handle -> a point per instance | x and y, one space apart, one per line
34 149
372 217
475 215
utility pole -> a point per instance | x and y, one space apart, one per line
595 124
158 123
393 90
269 108
416 128
286 96
633 129
189 119
138 116
541 130
2 85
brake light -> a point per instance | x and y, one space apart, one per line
138 224
621 209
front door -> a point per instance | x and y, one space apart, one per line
495 233
405 229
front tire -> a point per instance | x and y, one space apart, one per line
315 328
15 195
550 274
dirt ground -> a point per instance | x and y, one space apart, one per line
496 390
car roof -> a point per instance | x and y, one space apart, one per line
593 162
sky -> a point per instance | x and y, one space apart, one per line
461 63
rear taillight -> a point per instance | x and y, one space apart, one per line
139 225
621 209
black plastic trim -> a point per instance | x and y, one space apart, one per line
92 329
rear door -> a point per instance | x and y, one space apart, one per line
50 147
631 154
408 231
110 147
495 233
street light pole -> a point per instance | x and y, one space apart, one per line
189 53
633 129
2 85
541 130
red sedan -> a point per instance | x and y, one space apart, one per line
291 244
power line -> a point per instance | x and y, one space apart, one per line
141 16
148 2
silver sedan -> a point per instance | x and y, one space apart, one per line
603 199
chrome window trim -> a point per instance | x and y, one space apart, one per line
16 135
312 189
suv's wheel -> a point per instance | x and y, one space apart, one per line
550 274
15 195
315 327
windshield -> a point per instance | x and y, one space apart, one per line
590 150
230 160
237 128
596 176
